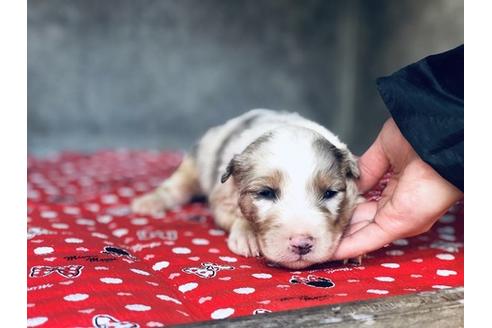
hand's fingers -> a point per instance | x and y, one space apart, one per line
373 165
363 241
364 212
353 228
362 216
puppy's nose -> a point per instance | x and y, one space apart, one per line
301 244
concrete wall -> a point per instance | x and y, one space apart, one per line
156 74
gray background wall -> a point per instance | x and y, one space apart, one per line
156 74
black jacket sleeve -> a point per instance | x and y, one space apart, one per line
426 102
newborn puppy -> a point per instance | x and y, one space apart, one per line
282 185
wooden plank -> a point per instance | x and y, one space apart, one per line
443 308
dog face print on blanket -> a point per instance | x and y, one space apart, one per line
312 281
107 321
207 270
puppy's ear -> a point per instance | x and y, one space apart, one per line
231 168
343 156
350 164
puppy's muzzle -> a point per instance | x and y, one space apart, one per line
301 244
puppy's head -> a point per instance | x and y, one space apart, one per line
298 191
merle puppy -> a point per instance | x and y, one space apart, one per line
281 185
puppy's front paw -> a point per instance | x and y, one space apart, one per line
242 240
150 203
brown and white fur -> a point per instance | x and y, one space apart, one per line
283 186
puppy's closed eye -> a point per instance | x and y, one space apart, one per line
329 193
267 193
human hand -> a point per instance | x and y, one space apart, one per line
414 199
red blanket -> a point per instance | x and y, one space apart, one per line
92 263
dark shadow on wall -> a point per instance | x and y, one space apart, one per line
157 74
